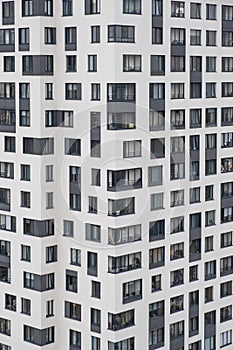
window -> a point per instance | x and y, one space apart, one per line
156 257
9 64
226 239
25 253
156 337
49 173
210 343
156 201
177 63
25 199
75 339
93 232
132 7
157 7
71 63
209 192
24 118
131 63
92 264
95 343
132 291
177 224
75 257
194 195
92 63
9 144
176 277
95 34
211 11
195 90
195 10
177 36
92 7
73 311
5 326
49 91
226 338
177 198
95 92
50 35
95 177
227 38
73 147
210 270
124 263
155 175
210 90
70 38
177 171
209 244
225 289
124 234
177 144
10 302
157 64
51 254
226 313
26 306
67 7
121 320
120 33
156 230
157 91
176 304
176 251
177 9
227 13
177 329
195 118
211 37
24 39
195 63
195 37
177 90
95 320
157 35
210 218
71 281
7 37
25 172
95 289
193 273
49 308
178 119
68 228
156 283
211 64
8 12
131 149
73 91
209 294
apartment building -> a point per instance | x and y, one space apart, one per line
116 186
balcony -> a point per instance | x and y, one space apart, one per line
132 296
178 254
121 320
121 207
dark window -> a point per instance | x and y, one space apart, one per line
95 177
70 38
131 63
92 7
9 144
73 147
95 320
120 33
120 320
25 172
92 264
75 254
195 37
157 35
157 7
25 199
211 11
9 63
67 7
73 311
211 63
73 91
75 339
177 36
26 306
50 35
71 64
157 65
211 37
71 281
51 254
93 232
23 39
156 283
95 289
195 63
8 12
177 63
177 8
25 253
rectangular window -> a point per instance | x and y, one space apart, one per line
92 63
71 63
211 11
75 255
195 10
211 38
131 63
73 311
124 234
177 90
157 35
131 149
92 7
211 64
67 7
117 33
95 34
26 306
73 91
51 254
95 92
157 64
195 37
177 63
132 7
49 308
50 35
177 36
